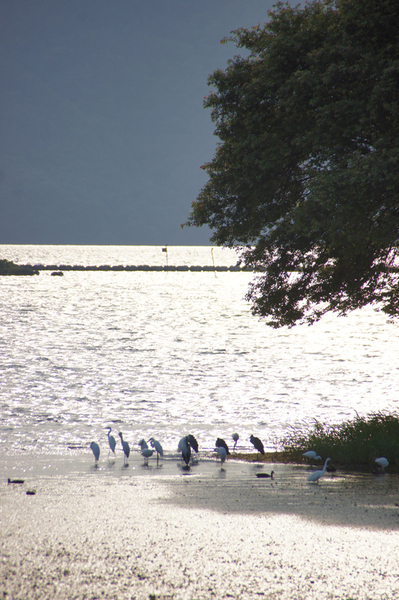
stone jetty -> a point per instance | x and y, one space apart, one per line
61 268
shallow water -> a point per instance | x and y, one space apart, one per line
165 354
157 531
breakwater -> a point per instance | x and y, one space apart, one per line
136 268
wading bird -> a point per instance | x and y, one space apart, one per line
185 449
315 476
311 455
96 450
235 437
155 444
193 442
257 443
222 453
146 452
111 441
220 443
125 448
382 461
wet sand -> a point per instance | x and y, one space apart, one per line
166 533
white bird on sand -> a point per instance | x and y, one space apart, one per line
315 476
155 444
221 450
311 454
235 437
96 450
382 461
125 447
111 440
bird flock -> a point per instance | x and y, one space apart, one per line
187 447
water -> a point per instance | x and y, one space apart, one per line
168 353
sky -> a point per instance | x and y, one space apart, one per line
103 129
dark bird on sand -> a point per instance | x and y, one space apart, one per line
257 443
15 481
222 444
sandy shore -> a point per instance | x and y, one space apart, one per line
161 532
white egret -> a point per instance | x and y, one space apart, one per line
311 454
96 450
111 441
235 437
257 443
221 450
382 461
125 447
315 476
220 443
155 444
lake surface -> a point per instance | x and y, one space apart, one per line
164 354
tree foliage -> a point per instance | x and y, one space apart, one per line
305 178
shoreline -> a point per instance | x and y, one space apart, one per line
163 532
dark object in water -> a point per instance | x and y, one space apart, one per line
265 475
331 468
57 274
31 492
15 481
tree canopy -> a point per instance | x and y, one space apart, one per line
305 178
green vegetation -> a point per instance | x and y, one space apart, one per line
353 444
306 174
7 267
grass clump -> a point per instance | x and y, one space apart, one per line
353 444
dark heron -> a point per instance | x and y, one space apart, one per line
96 450
222 444
185 449
193 442
125 448
155 444
257 443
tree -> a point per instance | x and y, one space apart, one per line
305 179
